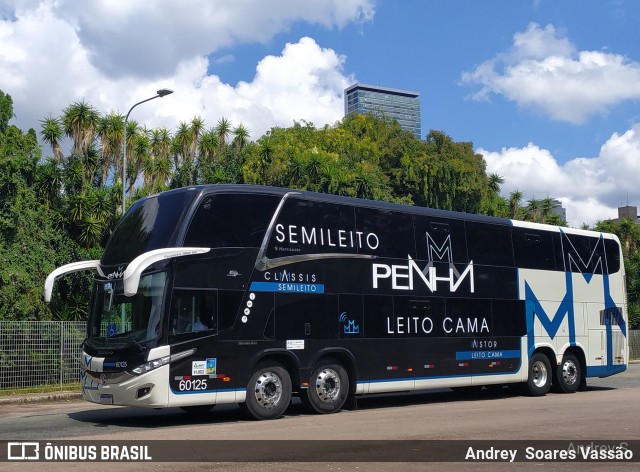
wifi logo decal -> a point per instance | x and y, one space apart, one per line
348 326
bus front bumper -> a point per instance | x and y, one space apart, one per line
146 390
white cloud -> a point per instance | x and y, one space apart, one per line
114 54
591 189
136 37
544 71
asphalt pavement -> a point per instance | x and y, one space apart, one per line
73 395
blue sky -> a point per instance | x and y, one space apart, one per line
548 91
426 46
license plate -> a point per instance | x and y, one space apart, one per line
106 399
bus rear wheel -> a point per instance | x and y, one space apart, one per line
569 374
268 392
328 388
539 379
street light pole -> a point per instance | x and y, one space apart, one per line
160 93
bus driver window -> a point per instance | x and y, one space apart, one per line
193 311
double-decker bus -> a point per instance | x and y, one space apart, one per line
251 295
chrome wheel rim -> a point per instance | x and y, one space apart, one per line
328 385
539 374
569 372
268 390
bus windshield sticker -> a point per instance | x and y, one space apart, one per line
198 367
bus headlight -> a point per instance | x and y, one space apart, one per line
156 363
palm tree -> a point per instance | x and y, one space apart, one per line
110 130
181 144
197 125
79 121
157 167
208 145
160 174
132 132
515 200
313 170
139 153
495 181
52 133
297 170
546 205
629 235
160 143
532 210
223 128
48 182
241 136
366 182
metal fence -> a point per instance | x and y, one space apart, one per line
48 353
38 353
634 344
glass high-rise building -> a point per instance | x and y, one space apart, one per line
401 105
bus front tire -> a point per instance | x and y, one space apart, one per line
268 392
540 375
328 388
568 374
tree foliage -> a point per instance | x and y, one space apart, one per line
62 208
629 235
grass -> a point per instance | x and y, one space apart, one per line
41 389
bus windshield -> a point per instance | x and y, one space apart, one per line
117 321
151 223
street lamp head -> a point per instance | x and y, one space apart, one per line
160 93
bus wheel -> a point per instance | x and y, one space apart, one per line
268 392
328 388
569 374
539 381
196 409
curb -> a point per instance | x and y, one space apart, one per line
62 396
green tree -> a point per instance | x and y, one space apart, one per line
240 137
52 134
223 128
32 240
6 110
110 131
629 235
79 121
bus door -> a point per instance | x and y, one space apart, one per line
193 319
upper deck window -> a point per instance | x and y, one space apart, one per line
231 220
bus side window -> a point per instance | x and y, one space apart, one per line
583 254
533 249
393 232
193 311
489 244
612 251
312 227
440 239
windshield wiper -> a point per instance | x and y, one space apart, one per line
141 346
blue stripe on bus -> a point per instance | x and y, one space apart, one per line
487 355
286 287
604 370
